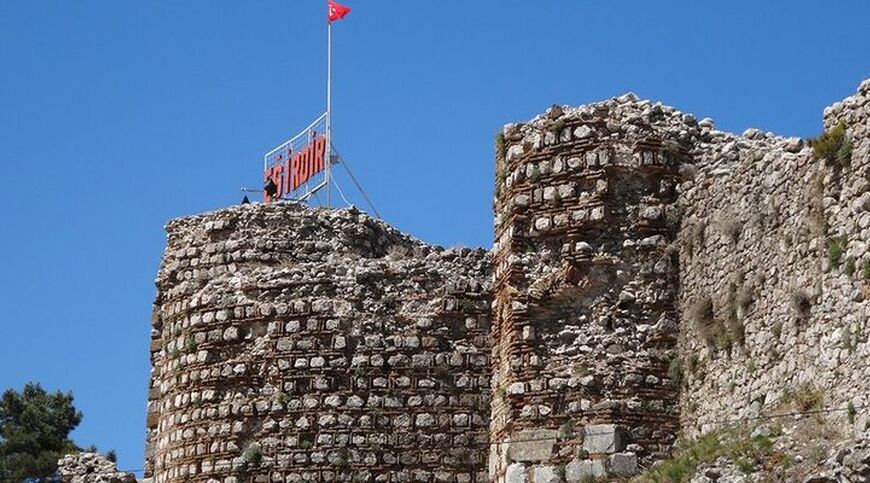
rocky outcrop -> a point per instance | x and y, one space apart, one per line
91 468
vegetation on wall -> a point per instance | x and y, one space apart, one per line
737 444
703 317
500 147
836 248
801 303
833 147
556 127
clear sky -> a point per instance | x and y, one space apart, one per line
118 115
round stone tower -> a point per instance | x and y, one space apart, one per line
297 344
585 320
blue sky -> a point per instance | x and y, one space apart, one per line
116 116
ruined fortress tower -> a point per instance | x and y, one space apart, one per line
585 312
650 276
294 344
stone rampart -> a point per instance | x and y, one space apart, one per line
650 276
296 344
775 273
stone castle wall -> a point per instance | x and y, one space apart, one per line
293 344
769 304
650 268
650 276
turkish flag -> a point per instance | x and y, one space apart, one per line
337 11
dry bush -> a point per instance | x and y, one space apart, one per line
730 226
801 303
703 315
833 147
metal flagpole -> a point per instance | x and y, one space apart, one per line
328 103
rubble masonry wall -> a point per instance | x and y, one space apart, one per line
296 344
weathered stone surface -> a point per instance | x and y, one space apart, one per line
546 474
91 468
603 438
633 246
532 445
769 237
583 274
580 471
299 344
773 239
516 473
623 464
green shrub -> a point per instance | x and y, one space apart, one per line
744 465
342 459
556 127
253 454
776 330
734 443
500 147
836 247
866 269
833 147
675 369
849 268
500 180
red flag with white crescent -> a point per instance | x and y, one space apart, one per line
337 11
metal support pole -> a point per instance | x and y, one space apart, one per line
328 105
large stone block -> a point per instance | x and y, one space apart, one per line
582 470
603 438
515 473
532 444
623 464
545 474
